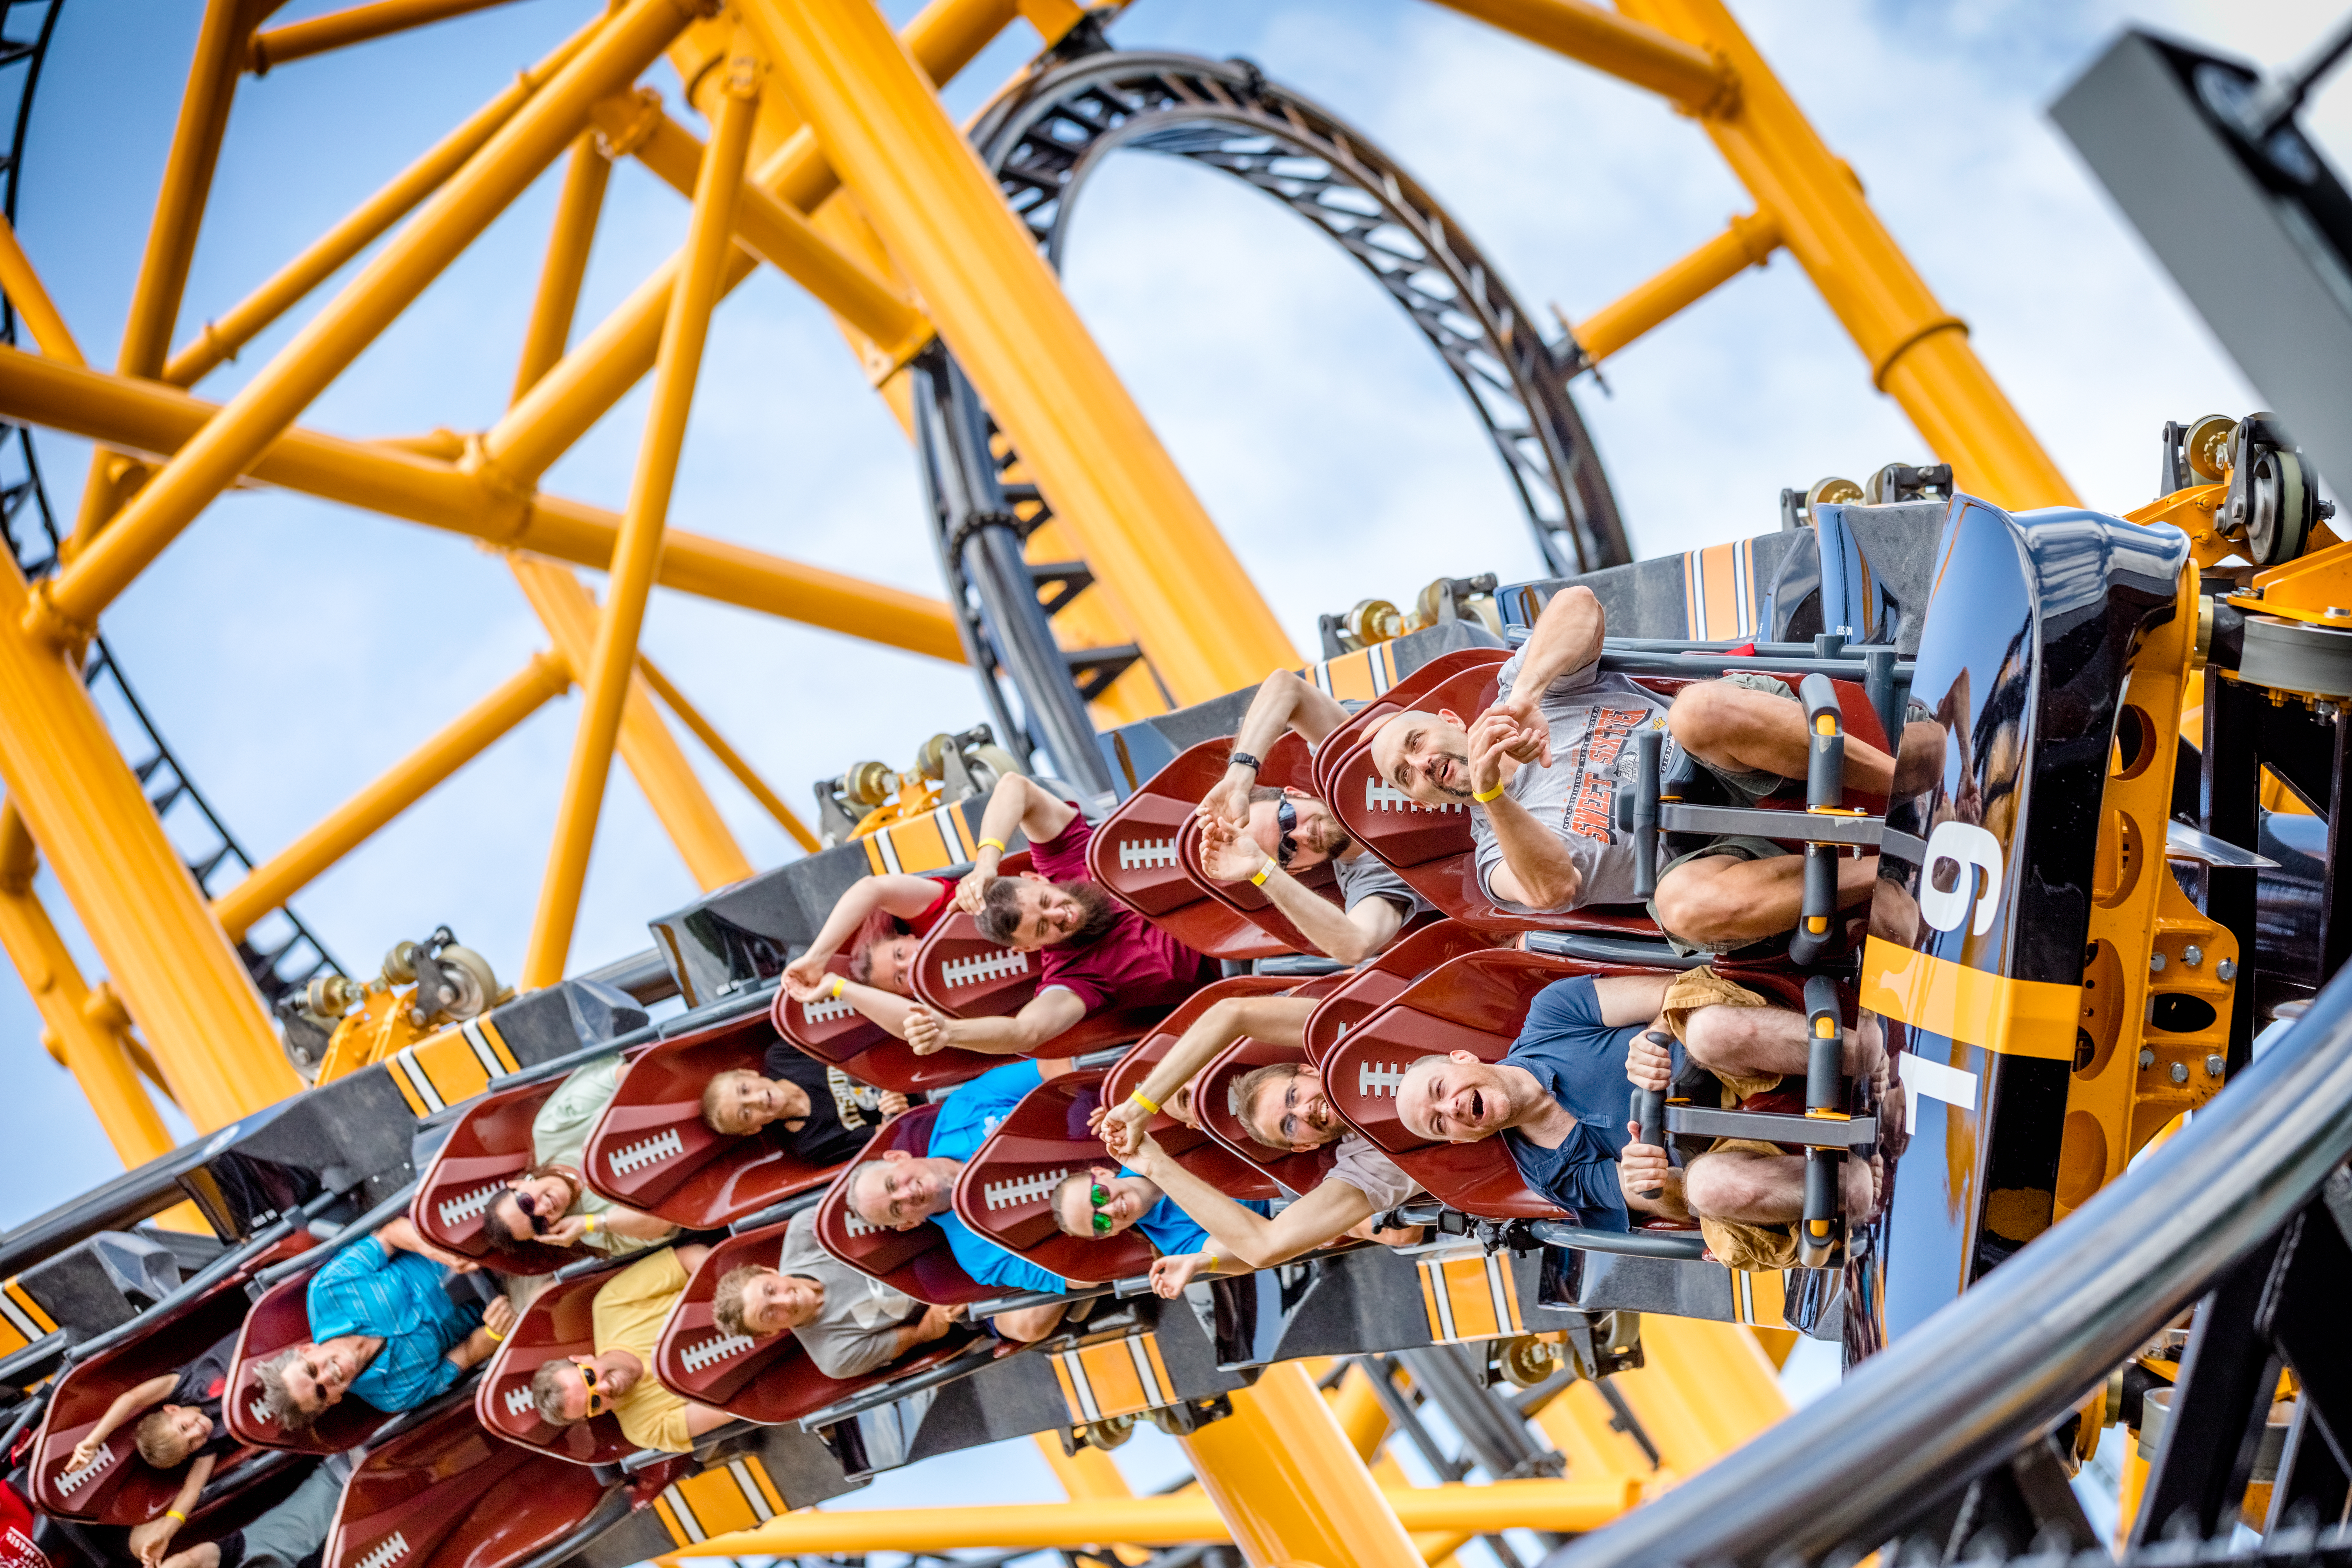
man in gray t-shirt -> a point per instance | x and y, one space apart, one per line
1253 832
1541 767
850 1323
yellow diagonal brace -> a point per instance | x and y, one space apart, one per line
87 1040
577 208
270 884
568 401
1628 50
340 30
684 808
1749 242
612 667
1156 556
774 232
68 604
146 416
220 338
164 953
22 287
728 757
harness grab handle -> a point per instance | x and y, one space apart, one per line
1816 915
1649 750
1825 744
1649 1111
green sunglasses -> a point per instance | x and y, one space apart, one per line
1101 1195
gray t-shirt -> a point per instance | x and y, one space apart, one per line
857 1329
1372 1173
1366 875
1594 717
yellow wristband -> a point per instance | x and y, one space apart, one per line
1494 794
996 843
496 1338
1149 1109
1211 1267
1262 873
839 985
588 1225
175 1513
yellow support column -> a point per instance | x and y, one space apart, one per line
68 604
86 1039
1708 1388
1089 1474
1289 1484
1156 556
611 668
163 952
1919 351
352 823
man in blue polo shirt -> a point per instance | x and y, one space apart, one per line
1560 1099
900 1191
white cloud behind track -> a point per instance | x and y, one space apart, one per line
291 650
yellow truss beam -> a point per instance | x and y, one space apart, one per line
728 757
1630 51
1287 1482
1749 242
612 667
218 340
22 287
577 209
407 782
66 606
164 953
679 803
340 30
86 1029
146 416
1569 1507
1157 557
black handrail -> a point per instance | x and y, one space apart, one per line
2011 1356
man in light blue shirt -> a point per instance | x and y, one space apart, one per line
900 1191
1101 1203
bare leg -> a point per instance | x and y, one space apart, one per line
1755 732
1769 1189
1721 901
1757 1042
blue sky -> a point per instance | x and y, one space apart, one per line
291 650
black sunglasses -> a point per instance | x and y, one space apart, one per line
1285 820
1101 1195
529 1206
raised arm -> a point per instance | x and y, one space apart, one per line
1322 1216
1050 1012
1536 870
131 1401
904 896
1020 803
1350 936
1283 702
1567 636
151 1540
1276 1020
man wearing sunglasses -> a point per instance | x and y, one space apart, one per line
629 1312
550 1203
1101 1202
1253 832
1097 952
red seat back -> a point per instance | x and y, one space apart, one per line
278 1321
448 1494
916 1261
1476 1003
116 1487
1214 1096
770 1380
560 1321
1379 979
961 974
1148 852
835 1032
1192 1147
1003 1191
652 1150
489 1146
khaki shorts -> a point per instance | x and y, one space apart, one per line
1744 789
1740 846
1735 1244
1747 788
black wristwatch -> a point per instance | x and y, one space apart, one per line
1243 760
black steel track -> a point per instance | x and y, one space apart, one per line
1043 140
280 952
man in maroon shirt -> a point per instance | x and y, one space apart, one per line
1094 951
